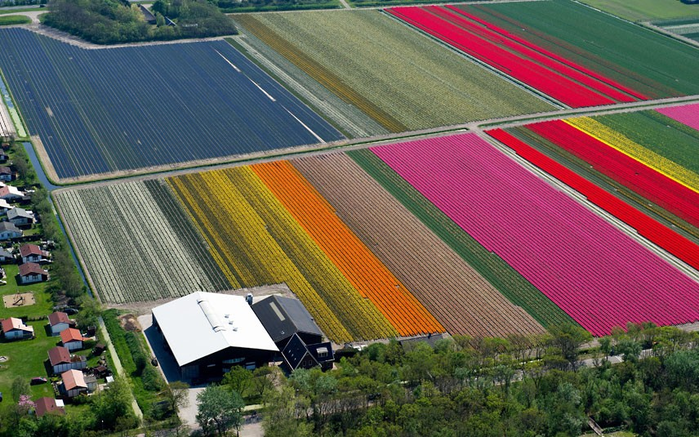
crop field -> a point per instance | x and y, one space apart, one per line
594 272
646 159
122 109
560 78
686 28
402 80
593 56
136 243
644 10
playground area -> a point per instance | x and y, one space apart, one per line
18 300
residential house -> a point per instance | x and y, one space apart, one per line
72 339
11 194
14 329
31 273
59 322
9 231
6 174
6 256
20 217
4 206
72 383
31 253
61 360
49 406
4 157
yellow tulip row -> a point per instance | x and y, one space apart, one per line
257 242
623 144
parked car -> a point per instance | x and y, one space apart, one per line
38 380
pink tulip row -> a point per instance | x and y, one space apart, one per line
590 269
687 114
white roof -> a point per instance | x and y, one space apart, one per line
201 324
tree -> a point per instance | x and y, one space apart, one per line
219 410
89 312
238 379
20 387
567 339
284 415
112 408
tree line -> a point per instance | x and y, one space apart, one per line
115 22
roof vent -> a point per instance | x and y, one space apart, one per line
211 315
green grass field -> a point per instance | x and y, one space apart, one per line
645 10
26 358
9 20
641 59
400 78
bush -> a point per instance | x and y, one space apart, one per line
151 379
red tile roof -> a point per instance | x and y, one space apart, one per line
71 334
59 355
73 379
48 405
14 323
31 269
58 317
30 249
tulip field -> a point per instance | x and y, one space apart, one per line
402 80
659 169
594 272
101 111
573 54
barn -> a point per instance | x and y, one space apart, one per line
208 333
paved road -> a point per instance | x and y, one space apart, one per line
117 363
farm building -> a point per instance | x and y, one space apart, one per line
31 253
8 231
208 333
14 329
61 360
283 317
73 384
20 217
298 355
72 339
59 322
11 193
30 273
6 174
49 406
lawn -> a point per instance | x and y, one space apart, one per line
642 10
26 359
9 20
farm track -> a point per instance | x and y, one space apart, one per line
462 300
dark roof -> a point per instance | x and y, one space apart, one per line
31 269
58 317
47 405
283 316
19 212
315 349
5 170
295 351
59 355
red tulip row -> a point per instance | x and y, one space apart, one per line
551 74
